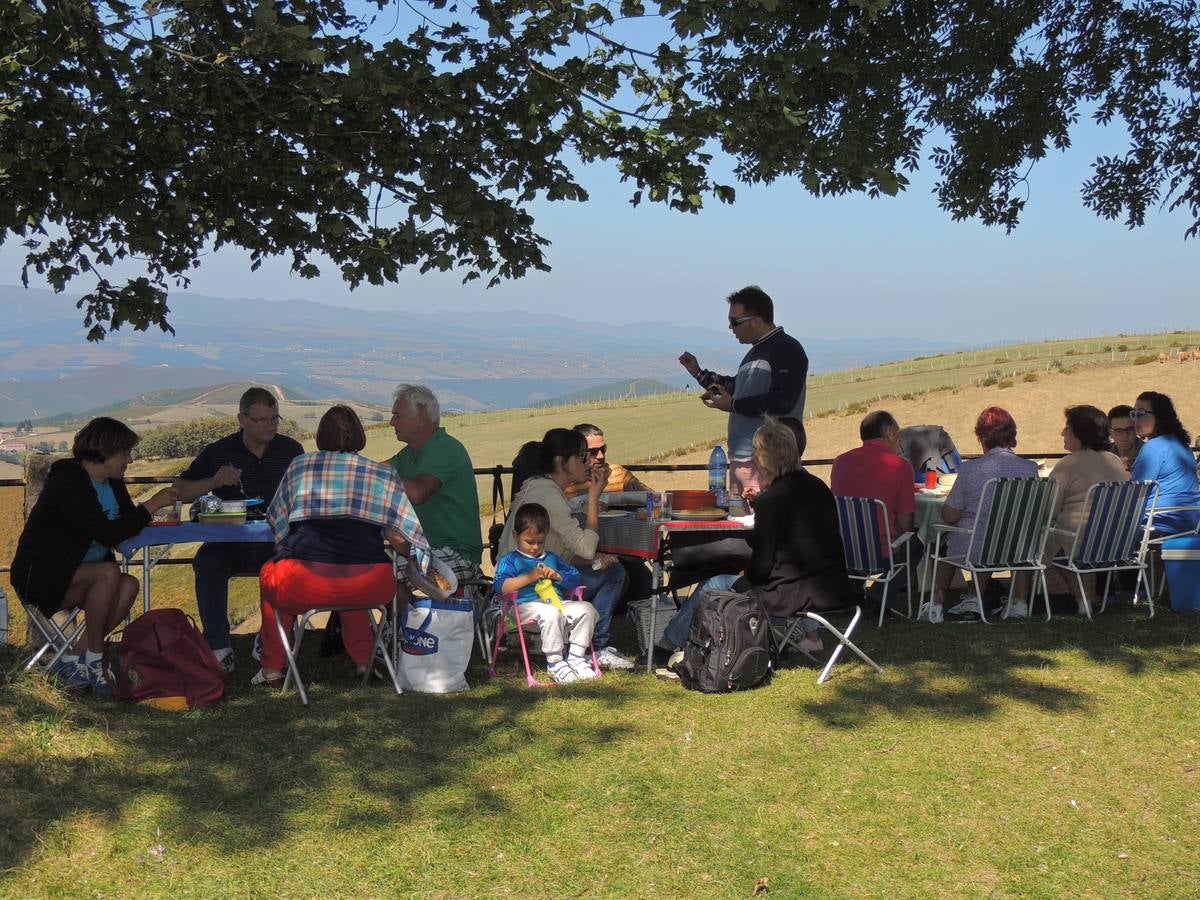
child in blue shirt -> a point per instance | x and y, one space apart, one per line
543 582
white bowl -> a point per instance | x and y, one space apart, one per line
947 480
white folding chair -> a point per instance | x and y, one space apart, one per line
1110 538
1009 534
292 651
787 634
55 638
862 520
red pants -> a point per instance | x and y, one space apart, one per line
294 586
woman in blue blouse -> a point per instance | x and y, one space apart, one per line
1165 458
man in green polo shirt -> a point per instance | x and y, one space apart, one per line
439 479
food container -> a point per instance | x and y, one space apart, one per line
947 480
683 500
436 588
233 506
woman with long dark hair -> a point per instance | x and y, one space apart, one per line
541 473
1165 458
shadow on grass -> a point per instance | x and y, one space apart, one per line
259 767
959 670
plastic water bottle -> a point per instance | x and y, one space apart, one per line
3 617
718 469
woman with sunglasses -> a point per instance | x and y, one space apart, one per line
542 472
1165 458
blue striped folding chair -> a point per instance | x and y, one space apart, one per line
1111 537
866 532
1012 523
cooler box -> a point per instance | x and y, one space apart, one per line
1181 561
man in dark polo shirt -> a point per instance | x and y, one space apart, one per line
247 463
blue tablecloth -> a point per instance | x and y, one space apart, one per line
196 532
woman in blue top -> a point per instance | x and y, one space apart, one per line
64 556
1165 458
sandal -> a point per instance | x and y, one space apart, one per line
275 682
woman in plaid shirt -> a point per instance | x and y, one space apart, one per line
331 516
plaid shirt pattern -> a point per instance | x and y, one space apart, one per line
330 485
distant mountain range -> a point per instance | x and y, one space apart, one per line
474 361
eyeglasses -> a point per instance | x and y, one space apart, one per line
597 451
1139 413
265 420
1128 429
735 321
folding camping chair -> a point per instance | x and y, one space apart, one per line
55 638
292 651
785 631
1009 534
863 520
1110 538
505 605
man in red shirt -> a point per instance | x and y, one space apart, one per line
876 469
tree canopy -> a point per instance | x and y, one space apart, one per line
154 131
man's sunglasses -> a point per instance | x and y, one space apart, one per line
1128 429
596 451
735 321
1139 413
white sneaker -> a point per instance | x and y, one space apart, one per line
611 659
1017 609
256 648
932 613
967 605
562 673
582 667
225 659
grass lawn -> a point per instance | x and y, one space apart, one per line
1017 759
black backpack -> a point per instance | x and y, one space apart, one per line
730 646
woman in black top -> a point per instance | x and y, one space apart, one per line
797 563
64 556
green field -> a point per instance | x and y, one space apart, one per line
1021 759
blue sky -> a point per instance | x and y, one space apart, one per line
836 267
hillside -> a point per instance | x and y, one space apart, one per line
486 360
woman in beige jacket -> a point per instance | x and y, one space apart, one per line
1085 438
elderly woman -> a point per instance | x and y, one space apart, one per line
997 434
797 562
64 556
1165 458
1089 462
331 516
542 472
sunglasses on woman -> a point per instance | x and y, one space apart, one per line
1139 413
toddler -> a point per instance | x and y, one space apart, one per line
542 582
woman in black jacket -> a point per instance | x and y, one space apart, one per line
64 556
797 563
